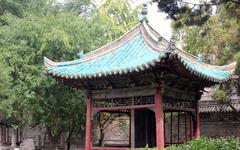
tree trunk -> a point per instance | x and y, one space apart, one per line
68 145
101 139
53 142
68 141
52 145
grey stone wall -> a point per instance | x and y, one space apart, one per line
39 138
220 124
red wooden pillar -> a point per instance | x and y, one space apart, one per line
159 119
88 140
197 121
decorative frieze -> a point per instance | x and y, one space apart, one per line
144 101
172 103
122 102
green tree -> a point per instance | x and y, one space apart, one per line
24 41
77 7
218 40
40 100
19 8
217 37
5 93
117 16
188 13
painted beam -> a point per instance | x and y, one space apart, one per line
123 107
124 92
142 91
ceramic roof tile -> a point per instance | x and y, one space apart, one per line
136 50
219 108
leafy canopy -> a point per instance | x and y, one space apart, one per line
59 35
217 39
187 13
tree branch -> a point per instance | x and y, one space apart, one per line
233 1
232 108
211 4
206 4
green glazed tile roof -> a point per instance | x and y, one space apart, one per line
136 51
213 73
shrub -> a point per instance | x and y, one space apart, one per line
220 96
204 143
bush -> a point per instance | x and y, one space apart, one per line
220 96
204 143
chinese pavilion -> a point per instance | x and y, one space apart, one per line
143 73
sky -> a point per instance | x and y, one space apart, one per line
158 20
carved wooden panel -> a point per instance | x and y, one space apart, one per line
121 102
173 103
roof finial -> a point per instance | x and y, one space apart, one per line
200 57
143 16
81 52
172 44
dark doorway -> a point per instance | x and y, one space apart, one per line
145 128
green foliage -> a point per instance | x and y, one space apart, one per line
220 96
197 13
237 70
5 85
20 8
204 143
77 7
147 148
118 16
218 41
59 35
169 114
217 37
184 13
37 99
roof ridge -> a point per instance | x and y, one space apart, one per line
184 53
157 33
153 40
